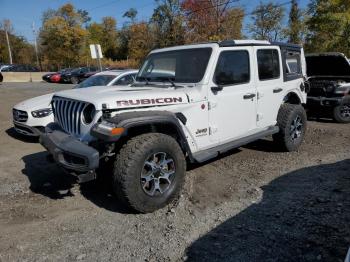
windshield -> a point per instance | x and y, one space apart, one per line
99 80
182 66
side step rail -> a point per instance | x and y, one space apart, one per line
207 154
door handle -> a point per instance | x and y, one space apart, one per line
249 96
277 90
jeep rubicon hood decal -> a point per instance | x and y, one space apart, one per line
149 101
127 97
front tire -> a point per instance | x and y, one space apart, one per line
291 120
149 172
341 113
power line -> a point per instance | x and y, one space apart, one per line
230 2
212 7
115 1
103 5
251 13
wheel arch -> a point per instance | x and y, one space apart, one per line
292 98
141 122
165 127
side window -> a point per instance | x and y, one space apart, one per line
293 64
268 64
232 68
125 80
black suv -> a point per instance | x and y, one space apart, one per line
329 79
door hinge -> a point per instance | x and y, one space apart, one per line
211 105
212 130
259 117
260 95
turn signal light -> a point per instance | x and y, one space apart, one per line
117 131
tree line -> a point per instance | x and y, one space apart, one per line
66 33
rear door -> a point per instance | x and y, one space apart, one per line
269 79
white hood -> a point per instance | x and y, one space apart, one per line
35 103
126 97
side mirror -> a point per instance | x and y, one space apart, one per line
216 88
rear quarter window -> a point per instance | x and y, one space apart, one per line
268 64
293 63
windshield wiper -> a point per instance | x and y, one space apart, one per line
141 78
157 79
171 81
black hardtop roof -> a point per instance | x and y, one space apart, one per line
226 43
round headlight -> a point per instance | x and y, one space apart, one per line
89 113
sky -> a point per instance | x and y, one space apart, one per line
23 13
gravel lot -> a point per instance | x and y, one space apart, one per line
251 204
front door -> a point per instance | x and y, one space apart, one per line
232 98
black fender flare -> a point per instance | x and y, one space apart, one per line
133 119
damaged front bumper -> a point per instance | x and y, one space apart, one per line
73 155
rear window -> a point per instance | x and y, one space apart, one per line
268 64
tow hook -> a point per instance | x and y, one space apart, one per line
86 177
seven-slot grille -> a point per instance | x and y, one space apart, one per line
68 113
319 87
19 115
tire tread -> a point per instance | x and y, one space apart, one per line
127 158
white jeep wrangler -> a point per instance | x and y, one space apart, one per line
191 103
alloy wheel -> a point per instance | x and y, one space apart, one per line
157 174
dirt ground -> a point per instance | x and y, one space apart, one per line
251 204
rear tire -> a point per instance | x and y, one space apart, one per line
149 172
291 120
341 113
75 80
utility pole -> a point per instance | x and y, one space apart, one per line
7 24
36 46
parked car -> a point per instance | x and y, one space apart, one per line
20 68
76 75
3 66
189 102
55 77
329 80
91 73
34 114
110 78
